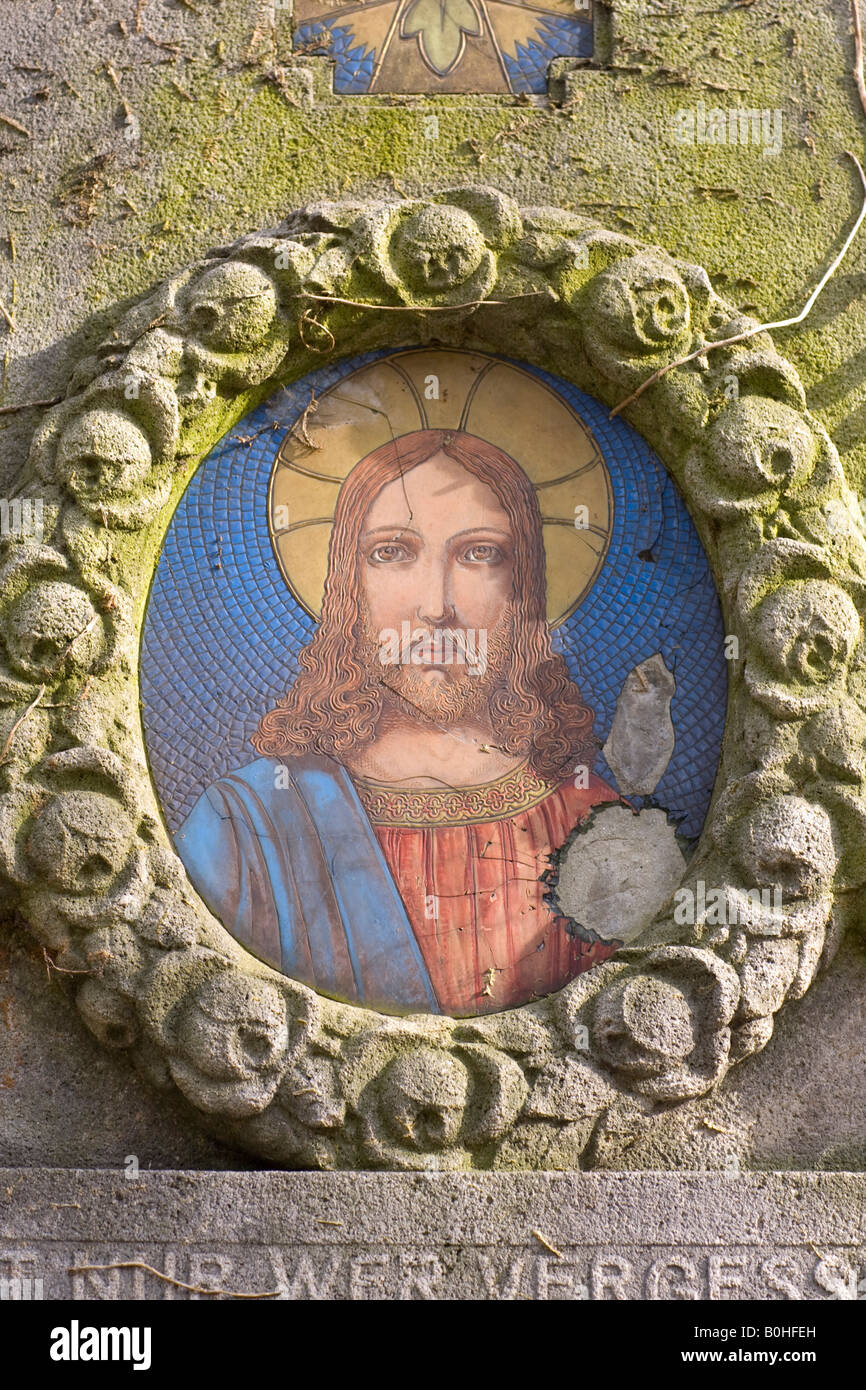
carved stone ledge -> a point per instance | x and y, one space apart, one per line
597 1237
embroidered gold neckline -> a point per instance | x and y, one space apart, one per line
518 790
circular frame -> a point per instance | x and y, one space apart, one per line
301 1079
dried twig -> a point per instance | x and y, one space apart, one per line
15 125
248 439
758 327
307 319
178 1283
77 638
420 308
28 405
61 969
4 753
276 77
858 53
115 82
7 316
542 1240
300 426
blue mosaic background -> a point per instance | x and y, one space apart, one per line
222 632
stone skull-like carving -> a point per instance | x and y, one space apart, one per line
229 308
423 1095
438 249
753 455
806 632
231 1040
80 842
102 455
784 842
52 629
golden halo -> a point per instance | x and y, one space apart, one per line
444 389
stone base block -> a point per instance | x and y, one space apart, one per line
610 1236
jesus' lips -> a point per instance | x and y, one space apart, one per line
449 647
435 648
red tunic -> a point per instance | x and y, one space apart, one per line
469 864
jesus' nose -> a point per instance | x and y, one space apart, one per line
433 594
435 610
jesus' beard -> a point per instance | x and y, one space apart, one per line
463 693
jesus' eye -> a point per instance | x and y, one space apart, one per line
388 553
481 553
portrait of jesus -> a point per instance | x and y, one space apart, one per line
391 842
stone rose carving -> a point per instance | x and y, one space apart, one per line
645 310
423 1105
641 306
271 1066
755 454
229 1044
806 632
667 1025
51 630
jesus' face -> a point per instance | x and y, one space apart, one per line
438 533
436 558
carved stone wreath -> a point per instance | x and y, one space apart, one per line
275 1068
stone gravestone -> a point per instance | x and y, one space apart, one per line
433 760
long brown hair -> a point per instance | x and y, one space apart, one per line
334 706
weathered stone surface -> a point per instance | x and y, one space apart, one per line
619 871
641 738
657 1236
807 1098
82 847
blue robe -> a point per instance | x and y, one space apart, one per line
285 856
